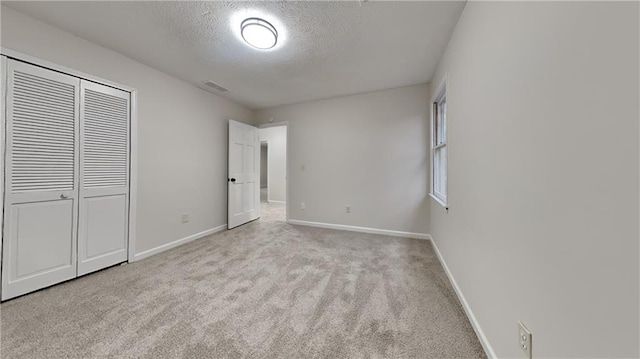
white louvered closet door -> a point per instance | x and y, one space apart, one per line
41 179
104 177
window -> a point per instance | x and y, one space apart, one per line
439 145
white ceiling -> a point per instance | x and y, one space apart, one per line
325 49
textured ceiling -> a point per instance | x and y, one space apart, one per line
325 49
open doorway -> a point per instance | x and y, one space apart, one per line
264 163
273 173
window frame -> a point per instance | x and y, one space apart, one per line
439 141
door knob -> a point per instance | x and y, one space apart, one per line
232 179
63 196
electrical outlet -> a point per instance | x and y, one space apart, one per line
185 218
526 340
303 206
347 209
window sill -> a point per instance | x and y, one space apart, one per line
439 200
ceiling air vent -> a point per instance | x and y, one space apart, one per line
215 86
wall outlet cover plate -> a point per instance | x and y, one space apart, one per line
525 339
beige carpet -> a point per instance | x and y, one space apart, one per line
263 290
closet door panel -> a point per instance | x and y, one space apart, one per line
41 239
41 179
106 225
104 179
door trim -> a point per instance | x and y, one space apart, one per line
133 140
59 68
133 176
4 69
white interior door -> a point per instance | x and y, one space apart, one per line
104 177
40 208
244 174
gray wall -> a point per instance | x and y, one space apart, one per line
264 153
543 174
367 151
182 131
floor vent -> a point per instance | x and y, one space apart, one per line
215 86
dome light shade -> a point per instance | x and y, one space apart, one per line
259 33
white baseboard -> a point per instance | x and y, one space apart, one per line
178 242
276 202
343 227
488 349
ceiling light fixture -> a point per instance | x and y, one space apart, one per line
259 33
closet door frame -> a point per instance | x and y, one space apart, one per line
133 133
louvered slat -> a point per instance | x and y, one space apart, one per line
43 134
105 140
